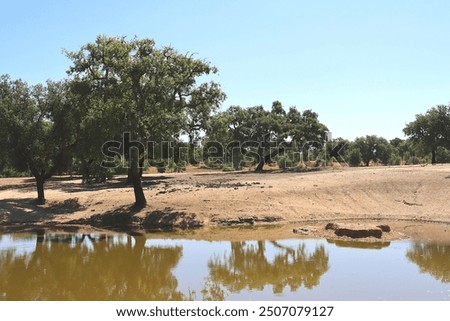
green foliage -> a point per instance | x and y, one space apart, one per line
337 149
374 148
170 164
425 160
284 162
12 172
431 130
258 129
38 129
300 167
401 146
442 155
93 173
395 160
319 162
354 157
413 160
132 86
228 169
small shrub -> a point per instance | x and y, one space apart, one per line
414 160
171 164
284 161
300 167
11 172
319 162
395 160
161 169
213 164
425 160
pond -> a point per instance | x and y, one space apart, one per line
52 266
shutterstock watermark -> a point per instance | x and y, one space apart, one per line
119 153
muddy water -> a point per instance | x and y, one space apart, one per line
123 267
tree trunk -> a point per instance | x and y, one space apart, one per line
139 196
191 149
433 156
130 174
261 162
263 159
41 176
86 171
191 155
260 166
40 189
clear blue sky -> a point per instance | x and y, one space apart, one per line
367 67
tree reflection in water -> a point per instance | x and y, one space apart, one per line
432 258
85 267
247 267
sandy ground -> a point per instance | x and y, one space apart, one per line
413 200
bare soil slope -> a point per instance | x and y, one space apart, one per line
418 194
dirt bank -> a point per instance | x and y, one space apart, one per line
413 198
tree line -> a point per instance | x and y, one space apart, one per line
156 103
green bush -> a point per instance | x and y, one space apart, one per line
442 155
180 167
161 169
228 167
395 160
354 157
98 174
170 164
284 161
425 160
213 164
414 160
300 167
11 172
319 162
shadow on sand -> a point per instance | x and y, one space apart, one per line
19 210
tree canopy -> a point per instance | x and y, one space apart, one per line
38 133
431 130
259 134
137 88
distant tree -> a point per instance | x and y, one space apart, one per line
401 146
442 155
338 148
197 113
373 148
96 126
4 93
431 130
262 134
37 128
255 127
